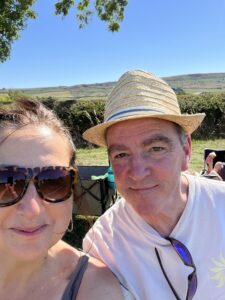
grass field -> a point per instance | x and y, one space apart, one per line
206 90
98 156
192 83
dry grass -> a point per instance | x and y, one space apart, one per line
92 157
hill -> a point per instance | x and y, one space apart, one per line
210 82
192 83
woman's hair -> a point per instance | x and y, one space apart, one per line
24 112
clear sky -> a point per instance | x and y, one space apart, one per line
165 37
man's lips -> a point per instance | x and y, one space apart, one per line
143 189
29 231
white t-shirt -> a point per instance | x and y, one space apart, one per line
126 243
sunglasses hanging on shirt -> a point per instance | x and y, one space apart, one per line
186 258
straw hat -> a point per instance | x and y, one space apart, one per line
139 94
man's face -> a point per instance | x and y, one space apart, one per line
147 158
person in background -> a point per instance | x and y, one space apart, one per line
37 181
216 171
165 238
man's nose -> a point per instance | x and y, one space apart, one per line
31 204
138 169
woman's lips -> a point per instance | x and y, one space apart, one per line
29 231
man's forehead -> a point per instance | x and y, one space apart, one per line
145 142
138 126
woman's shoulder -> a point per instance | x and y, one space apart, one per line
99 283
63 259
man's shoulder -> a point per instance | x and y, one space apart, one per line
206 180
211 180
114 210
208 185
106 219
105 228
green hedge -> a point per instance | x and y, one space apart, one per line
213 105
81 225
82 114
78 115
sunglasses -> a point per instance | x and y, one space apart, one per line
186 258
53 184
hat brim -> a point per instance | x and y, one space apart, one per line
97 134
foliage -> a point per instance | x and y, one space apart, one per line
79 115
14 94
110 11
81 225
85 114
49 102
213 105
14 15
179 91
4 99
13 18
11 96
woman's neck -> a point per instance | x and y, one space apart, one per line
13 270
41 278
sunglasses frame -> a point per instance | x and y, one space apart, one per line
32 174
191 276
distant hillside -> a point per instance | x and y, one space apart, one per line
198 82
193 83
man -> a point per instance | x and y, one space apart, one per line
165 238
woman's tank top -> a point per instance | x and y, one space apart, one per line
73 286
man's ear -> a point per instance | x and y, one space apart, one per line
187 152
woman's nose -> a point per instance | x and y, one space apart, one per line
31 204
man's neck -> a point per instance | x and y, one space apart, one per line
166 220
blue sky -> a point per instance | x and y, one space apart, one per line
164 37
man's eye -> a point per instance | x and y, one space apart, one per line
121 155
156 149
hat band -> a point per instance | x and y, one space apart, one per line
131 111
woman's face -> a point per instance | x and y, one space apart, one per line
31 226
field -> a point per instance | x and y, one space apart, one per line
87 91
98 156
198 82
192 83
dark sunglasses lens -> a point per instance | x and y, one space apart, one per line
183 252
12 184
192 286
55 184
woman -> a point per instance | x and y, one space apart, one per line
37 177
